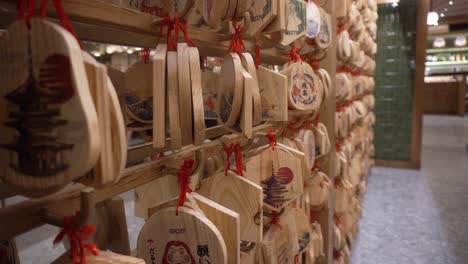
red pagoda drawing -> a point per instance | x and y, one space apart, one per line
275 186
35 114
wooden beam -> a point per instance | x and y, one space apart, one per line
327 117
403 164
418 81
67 201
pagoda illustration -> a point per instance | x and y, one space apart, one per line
275 186
36 117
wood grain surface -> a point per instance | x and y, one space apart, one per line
230 92
273 92
197 97
249 64
173 101
246 112
241 196
185 94
159 96
227 222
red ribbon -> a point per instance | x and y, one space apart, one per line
316 165
336 254
237 43
20 9
76 237
336 219
228 151
238 157
275 219
64 19
340 28
43 8
257 56
166 21
314 216
271 135
293 55
316 120
338 147
314 63
184 182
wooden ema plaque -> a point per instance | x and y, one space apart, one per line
262 13
313 20
185 94
277 244
188 237
324 38
213 12
230 94
305 90
48 122
173 101
159 96
139 95
111 123
249 64
280 174
240 195
273 93
159 8
104 257
197 97
296 22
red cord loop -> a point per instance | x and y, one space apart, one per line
184 182
76 236
183 27
20 9
228 151
293 55
238 156
271 135
275 219
237 43
257 56
338 147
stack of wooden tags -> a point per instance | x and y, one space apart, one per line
104 257
239 100
48 121
177 91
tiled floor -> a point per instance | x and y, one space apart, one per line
420 216
409 216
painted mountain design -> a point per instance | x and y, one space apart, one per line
274 187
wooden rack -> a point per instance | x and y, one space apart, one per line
98 21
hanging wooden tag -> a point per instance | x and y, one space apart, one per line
159 8
45 98
214 11
185 94
112 128
278 25
197 97
296 22
313 19
273 93
307 145
159 96
321 139
210 84
241 8
165 187
139 98
324 38
280 173
231 10
227 222
304 92
249 64
245 121
230 94
262 13
276 245
173 101
188 237
240 195
302 229
318 189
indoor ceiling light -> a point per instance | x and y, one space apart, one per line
442 14
450 3
432 18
